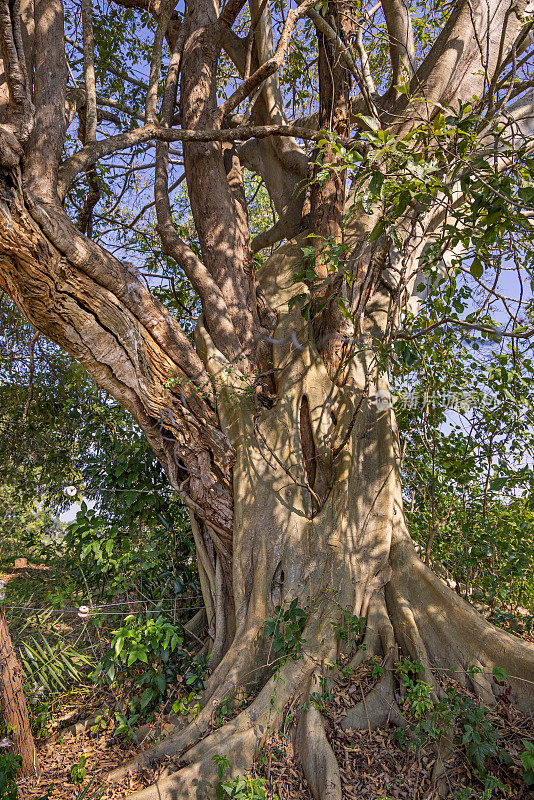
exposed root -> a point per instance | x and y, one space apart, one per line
198 779
238 739
442 630
317 757
196 624
377 708
379 637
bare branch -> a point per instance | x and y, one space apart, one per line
364 58
272 65
89 71
263 37
88 155
155 64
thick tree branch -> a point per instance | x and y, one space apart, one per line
126 340
13 54
215 311
229 13
90 154
401 42
455 68
89 71
280 161
46 142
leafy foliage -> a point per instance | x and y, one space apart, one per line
285 629
245 788
456 715
147 652
10 766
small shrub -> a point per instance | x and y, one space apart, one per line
246 788
148 651
431 718
350 628
78 771
10 766
187 704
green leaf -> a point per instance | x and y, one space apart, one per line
370 122
377 231
476 268
375 184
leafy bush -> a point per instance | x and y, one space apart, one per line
431 718
187 704
148 651
10 766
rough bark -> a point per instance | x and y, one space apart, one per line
327 195
13 703
128 343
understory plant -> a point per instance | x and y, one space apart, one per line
240 788
456 716
147 655
10 766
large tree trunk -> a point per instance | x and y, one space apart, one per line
13 703
318 517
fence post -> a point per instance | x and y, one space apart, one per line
13 706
